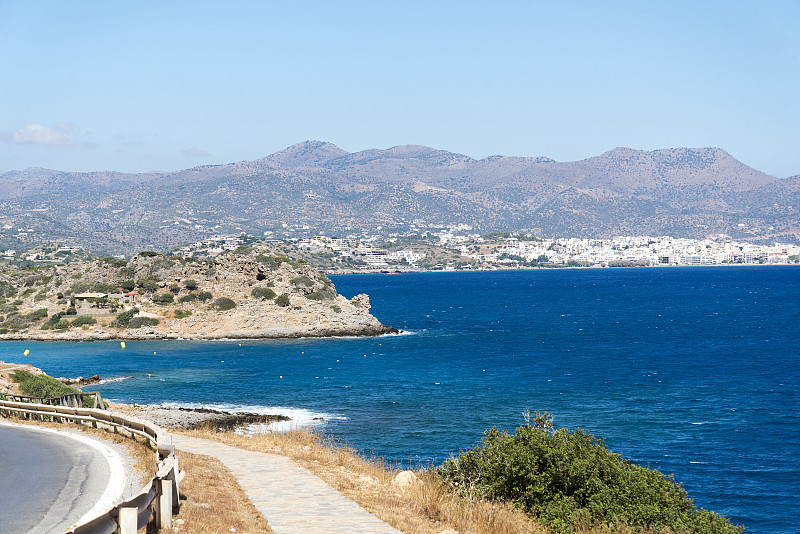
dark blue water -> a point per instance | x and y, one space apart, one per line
693 371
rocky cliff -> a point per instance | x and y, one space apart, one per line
247 293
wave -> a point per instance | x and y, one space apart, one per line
298 417
113 379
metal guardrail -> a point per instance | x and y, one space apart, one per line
155 502
75 400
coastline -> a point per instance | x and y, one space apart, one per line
149 334
193 418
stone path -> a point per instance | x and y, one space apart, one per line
292 499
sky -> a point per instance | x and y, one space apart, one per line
140 86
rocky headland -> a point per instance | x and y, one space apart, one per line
246 293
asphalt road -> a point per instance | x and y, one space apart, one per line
47 481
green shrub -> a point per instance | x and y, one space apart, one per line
71 311
124 318
39 314
40 385
190 284
204 296
148 284
326 293
180 314
138 322
102 287
560 477
223 304
114 262
166 298
53 320
127 285
175 288
282 300
83 319
263 293
272 262
336 308
302 281
188 298
148 254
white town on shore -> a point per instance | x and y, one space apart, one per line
470 250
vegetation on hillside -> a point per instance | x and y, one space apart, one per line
564 478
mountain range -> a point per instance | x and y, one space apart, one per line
683 192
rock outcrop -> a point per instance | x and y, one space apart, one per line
247 293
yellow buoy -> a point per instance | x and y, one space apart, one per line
122 344
26 352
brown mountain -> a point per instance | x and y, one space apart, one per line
682 192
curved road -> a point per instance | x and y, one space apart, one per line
50 479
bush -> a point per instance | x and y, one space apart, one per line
282 300
263 293
204 296
174 288
326 293
71 311
561 477
166 298
39 314
83 319
302 281
180 314
190 284
148 284
127 285
272 262
40 385
124 318
188 298
223 304
114 262
148 254
138 322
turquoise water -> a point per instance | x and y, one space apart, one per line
694 371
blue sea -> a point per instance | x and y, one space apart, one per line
692 371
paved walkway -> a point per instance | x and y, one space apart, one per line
292 499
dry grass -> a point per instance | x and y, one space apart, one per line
425 507
212 501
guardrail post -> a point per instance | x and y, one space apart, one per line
128 519
164 514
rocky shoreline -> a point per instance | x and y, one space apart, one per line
191 418
247 294
145 334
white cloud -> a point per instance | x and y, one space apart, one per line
36 134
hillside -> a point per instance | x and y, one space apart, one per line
248 293
684 192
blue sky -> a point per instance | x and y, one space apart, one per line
137 86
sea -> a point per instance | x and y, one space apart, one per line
691 371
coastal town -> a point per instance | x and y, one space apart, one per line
460 247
